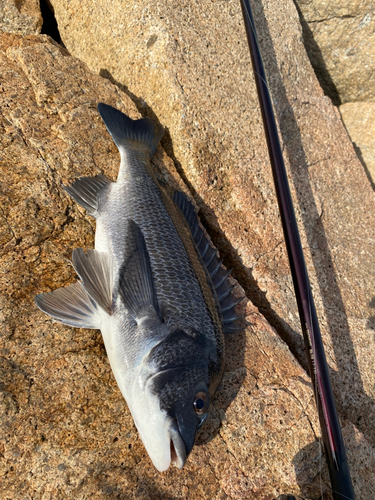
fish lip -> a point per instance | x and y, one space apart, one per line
177 445
178 454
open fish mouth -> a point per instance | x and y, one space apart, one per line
178 448
159 431
178 453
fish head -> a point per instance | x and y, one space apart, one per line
175 397
184 399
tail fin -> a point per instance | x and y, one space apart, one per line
123 129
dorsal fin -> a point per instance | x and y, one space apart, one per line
85 191
125 130
209 255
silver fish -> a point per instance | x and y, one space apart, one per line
155 288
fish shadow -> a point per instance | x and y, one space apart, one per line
328 286
235 371
234 376
146 489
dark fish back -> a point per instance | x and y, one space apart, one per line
183 292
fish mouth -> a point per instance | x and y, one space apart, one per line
174 451
178 449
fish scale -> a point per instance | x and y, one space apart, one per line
137 197
156 289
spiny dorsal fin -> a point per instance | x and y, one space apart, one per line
70 305
137 287
123 129
85 191
209 255
96 272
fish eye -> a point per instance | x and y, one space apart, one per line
201 402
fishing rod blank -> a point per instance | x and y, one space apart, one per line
342 487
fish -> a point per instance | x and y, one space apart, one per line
156 288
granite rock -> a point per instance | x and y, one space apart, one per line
340 40
20 16
359 120
66 431
187 63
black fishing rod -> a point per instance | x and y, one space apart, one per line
341 482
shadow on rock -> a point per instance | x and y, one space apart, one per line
315 478
145 490
234 376
317 60
371 320
235 343
365 167
347 376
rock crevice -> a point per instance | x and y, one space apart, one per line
70 426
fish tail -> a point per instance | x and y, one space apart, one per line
124 130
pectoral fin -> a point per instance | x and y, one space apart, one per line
96 272
70 305
137 287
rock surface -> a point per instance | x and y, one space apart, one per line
66 431
340 40
20 16
190 67
359 120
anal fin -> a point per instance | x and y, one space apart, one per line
70 305
96 272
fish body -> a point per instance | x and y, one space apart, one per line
155 288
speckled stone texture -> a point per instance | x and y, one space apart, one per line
340 40
187 63
20 16
65 430
359 120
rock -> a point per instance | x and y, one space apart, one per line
359 120
190 67
340 40
20 16
358 445
65 430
